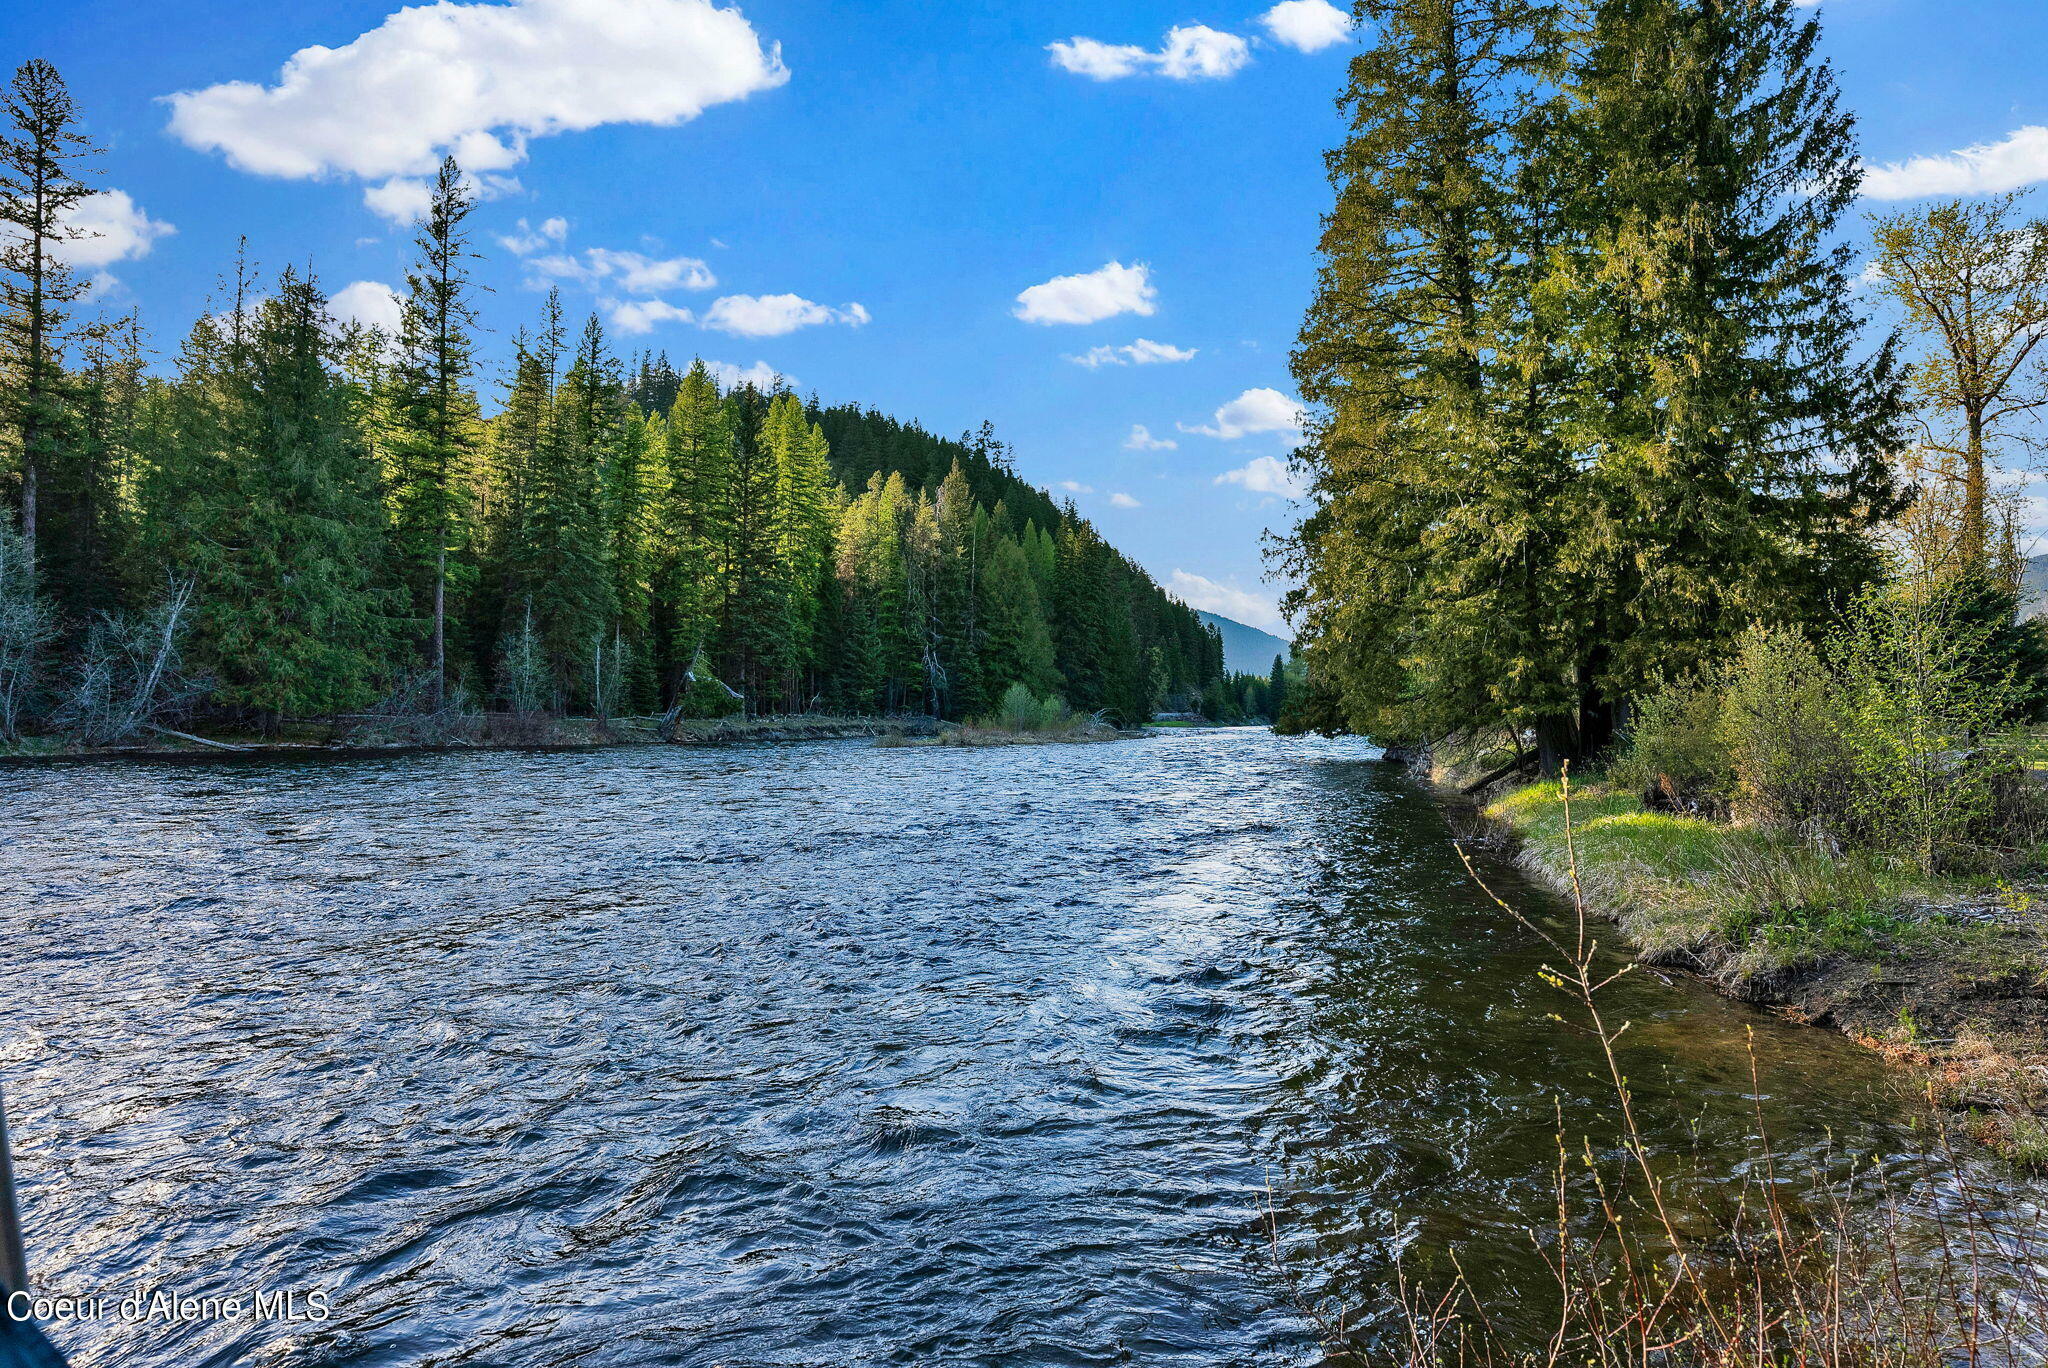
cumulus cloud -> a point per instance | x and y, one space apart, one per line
399 201
371 303
1076 487
2019 159
1266 475
1307 25
760 376
1141 439
642 316
1199 591
1122 500
633 272
1190 52
1115 289
106 228
776 315
551 233
1143 352
479 81
1256 410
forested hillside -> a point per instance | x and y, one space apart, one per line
293 518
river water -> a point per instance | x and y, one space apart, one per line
821 1055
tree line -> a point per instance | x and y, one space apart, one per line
301 518
1596 388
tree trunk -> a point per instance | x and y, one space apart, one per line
441 625
1556 743
1976 521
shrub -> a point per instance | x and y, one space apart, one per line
1783 732
1019 710
1023 711
1675 751
1923 724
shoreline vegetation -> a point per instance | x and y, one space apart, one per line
1943 974
1617 474
1856 1276
291 515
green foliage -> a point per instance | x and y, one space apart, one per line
1578 431
1899 740
1022 711
1676 746
347 526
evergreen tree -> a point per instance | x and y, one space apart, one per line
287 502
694 538
1739 453
40 190
432 437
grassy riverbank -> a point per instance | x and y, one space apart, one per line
1948 973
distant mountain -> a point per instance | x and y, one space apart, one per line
1246 650
2033 588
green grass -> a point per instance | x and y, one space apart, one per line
1747 901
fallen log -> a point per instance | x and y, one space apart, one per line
197 740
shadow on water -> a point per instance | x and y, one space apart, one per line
1430 1086
800 1055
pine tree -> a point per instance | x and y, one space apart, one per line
1018 647
750 617
432 435
803 532
1739 451
39 192
290 621
694 526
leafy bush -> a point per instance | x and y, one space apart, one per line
1924 726
1898 740
1023 711
1783 731
1676 753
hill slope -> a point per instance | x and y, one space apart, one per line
1246 649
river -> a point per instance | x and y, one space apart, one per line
824 1055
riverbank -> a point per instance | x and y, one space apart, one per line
1946 975
483 732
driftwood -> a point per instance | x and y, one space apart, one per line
196 740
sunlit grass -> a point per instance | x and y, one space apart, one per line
1749 902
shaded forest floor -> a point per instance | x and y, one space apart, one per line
1947 975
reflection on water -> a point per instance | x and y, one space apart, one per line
800 1056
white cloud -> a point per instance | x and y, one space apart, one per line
775 315
1141 439
1075 487
371 303
642 316
479 81
1143 352
1190 52
1256 410
632 272
111 227
1115 289
400 201
1266 475
1307 25
1198 591
760 375
527 241
1122 500
1986 169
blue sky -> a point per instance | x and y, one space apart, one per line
1090 223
